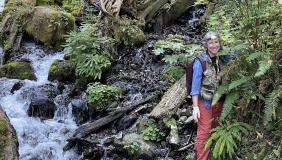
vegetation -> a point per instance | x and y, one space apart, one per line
102 96
128 32
74 7
3 135
151 132
89 51
252 81
17 70
176 53
133 148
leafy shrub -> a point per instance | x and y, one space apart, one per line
100 96
133 148
225 138
89 51
152 132
73 6
174 73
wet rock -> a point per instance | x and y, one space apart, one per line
42 107
145 150
80 111
49 91
8 138
17 70
16 86
126 122
61 71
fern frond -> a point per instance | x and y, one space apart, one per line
228 104
237 83
264 66
271 103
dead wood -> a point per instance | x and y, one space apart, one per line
91 127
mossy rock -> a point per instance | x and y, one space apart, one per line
49 25
128 32
101 97
17 70
62 71
8 138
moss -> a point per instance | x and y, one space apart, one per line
61 71
45 2
101 96
17 70
3 136
75 7
128 32
50 25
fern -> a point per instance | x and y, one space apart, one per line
225 139
239 82
89 51
229 104
271 103
264 66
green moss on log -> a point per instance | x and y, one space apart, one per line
17 70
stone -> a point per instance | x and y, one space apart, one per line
146 149
49 25
42 107
17 70
8 138
80 111
61 71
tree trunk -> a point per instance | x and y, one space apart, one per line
172 99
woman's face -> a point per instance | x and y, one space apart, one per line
213 46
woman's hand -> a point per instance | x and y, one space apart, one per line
196 113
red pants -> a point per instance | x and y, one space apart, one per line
207 121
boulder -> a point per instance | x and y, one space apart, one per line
49 25
17 70
8 139
142 149
80 111
61 71
42 107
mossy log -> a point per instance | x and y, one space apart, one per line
172 99
8 138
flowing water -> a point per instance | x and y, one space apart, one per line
1 5
38 139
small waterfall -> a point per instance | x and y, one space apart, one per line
38 139
2 5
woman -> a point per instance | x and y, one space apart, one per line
204 83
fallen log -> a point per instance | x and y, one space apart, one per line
91 127
172 99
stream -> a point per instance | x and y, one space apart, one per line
38 139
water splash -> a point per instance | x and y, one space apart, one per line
38 139
2 5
